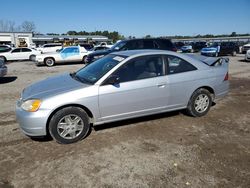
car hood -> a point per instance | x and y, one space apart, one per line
51 86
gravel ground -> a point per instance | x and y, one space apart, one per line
166 150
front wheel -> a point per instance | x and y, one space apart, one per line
199 103
84 59
49 62
69 125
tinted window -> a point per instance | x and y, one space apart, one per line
26 50
141 68
178 65
148 44
16 50
164 44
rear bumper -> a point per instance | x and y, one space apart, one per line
3 71
221 90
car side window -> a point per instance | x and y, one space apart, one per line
16 50
141 68
148 44
71 50
177 65
26 50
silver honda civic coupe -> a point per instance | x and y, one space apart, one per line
120 86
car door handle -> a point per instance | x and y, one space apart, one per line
161 85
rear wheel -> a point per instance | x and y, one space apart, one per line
69 125
49 62
199 103
3 58
32 57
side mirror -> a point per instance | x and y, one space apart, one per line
112 80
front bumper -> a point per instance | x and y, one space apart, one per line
247 57
3 71
32 123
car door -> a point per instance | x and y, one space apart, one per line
142 90
70 54
14 54
181 81
25 53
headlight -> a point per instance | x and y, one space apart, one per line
31 105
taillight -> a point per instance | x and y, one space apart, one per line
226 77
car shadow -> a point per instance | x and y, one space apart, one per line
243 60
7 79
48 138
137 120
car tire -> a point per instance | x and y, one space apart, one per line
3 58
199 103
84 59
49 62
63 126
32 57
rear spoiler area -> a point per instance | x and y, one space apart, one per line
210 61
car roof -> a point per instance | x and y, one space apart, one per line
134 53
142 52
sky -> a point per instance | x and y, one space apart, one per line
132 17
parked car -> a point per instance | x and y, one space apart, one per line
197 46
67 54
245 48
178 45
98 48
3 68
50 47
120 86
104 44
5 48
187 48
218 49
20 54
247 56
134 44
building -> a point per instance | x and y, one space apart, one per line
27 39
22 39
68 39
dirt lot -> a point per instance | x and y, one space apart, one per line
167 150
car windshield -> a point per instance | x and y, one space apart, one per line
118 45
93 72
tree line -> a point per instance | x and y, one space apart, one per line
11 26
